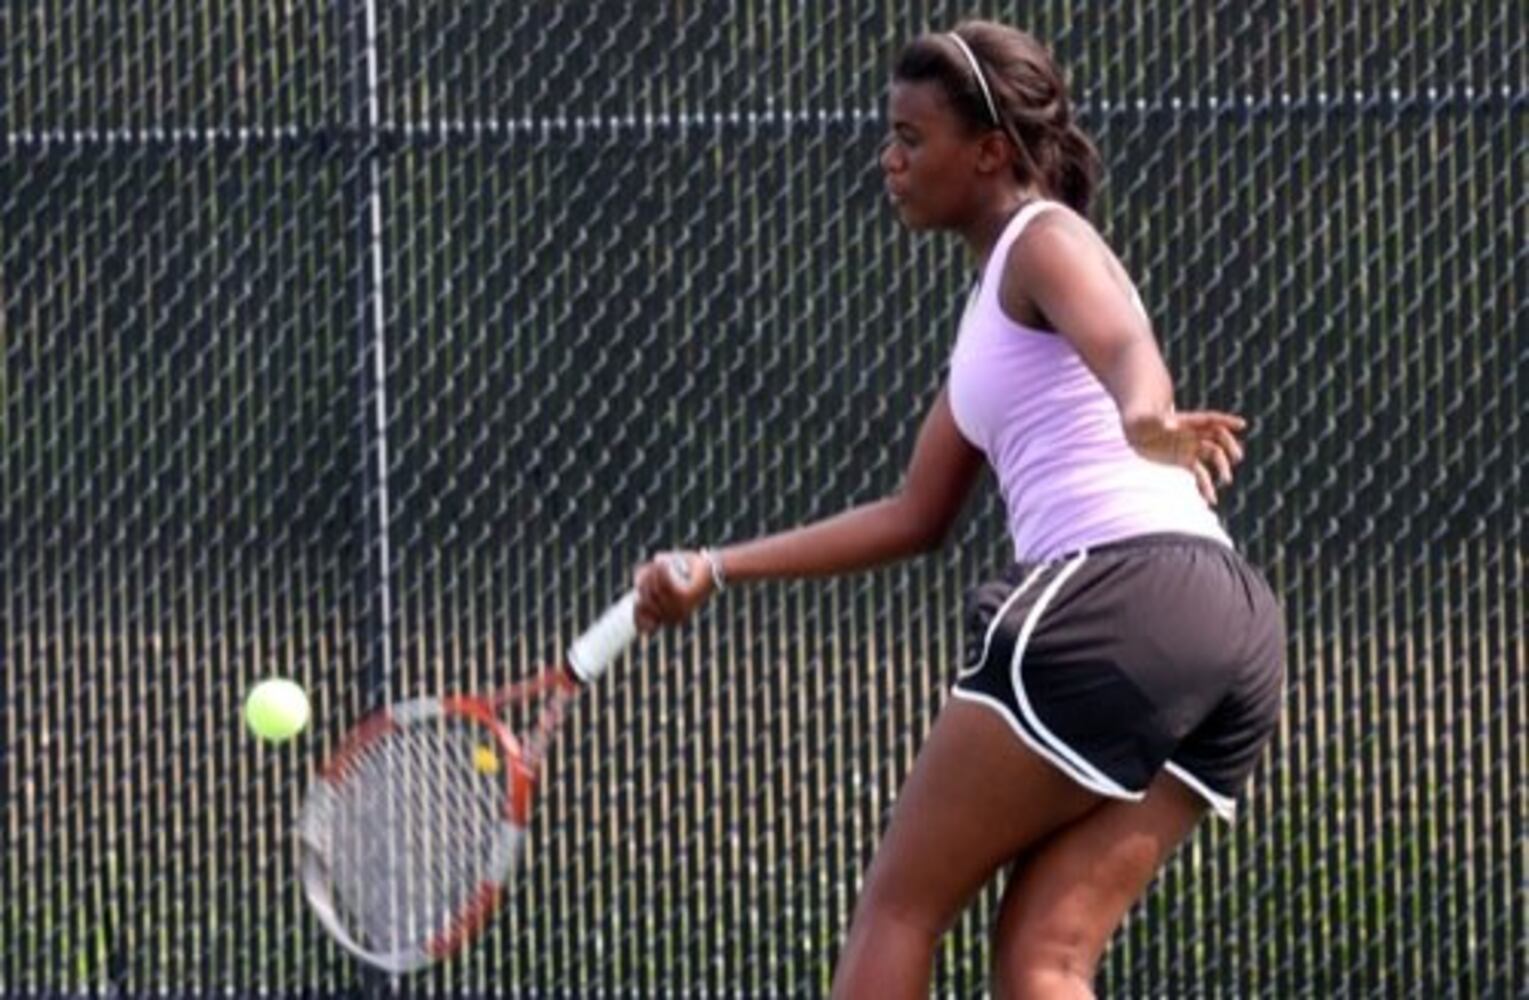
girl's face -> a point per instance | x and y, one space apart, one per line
928 159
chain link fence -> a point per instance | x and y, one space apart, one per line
373 343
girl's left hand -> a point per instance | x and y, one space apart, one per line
1202 441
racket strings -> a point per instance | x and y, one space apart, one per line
414 829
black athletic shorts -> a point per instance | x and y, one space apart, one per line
1161 651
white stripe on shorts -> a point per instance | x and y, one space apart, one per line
1112 790
1055 749
1221 805
992 626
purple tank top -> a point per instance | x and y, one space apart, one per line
1051 432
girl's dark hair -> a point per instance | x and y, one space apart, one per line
1029 94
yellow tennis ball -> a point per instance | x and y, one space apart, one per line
486 759
276 709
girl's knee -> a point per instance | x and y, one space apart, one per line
1024 970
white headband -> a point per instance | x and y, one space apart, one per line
987 95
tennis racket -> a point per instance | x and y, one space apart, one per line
413 829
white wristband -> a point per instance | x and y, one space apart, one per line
714 565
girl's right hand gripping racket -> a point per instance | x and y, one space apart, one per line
412 829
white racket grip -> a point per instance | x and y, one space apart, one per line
600 644
605 640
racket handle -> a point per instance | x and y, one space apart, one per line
599 645
605 640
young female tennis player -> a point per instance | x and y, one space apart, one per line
1123 674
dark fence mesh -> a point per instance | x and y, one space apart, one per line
373 344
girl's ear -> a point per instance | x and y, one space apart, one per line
995 152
